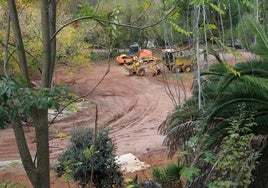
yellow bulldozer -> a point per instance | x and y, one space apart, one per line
138 67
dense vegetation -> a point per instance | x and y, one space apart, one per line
224 143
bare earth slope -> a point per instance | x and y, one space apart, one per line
132 107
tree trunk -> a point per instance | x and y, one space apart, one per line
46 64
40 120
52 23
18 40
37 171
25 155
196 38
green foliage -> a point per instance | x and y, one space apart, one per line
236 159
181 30
216 8
11 184
73 107
85 10
249 4
189 173
79 157
232 119
131 183
168 176
17 99
96 56
72 47
257 30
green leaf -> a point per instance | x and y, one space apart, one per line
57 106
189 173
3 3
209 156
88 152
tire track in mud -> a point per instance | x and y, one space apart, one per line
133 107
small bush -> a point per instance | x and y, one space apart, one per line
76 161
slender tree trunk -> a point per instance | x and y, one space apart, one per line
6 45
222 26
25 154
196 37
231 24
45 27
52 23
256 14
206 39
18 40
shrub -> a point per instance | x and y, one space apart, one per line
76 162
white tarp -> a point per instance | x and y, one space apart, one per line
130 163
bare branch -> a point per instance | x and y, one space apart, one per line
89 92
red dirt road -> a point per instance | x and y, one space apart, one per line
132 107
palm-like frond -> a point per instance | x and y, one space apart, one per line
188 112
261 47
178 135
251 87
250 27
253 69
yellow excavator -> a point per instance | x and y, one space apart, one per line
176 61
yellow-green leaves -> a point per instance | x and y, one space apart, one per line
180 29
216 8
231 69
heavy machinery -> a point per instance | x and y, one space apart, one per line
177 61
135 53
138 67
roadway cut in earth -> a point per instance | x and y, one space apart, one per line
132 107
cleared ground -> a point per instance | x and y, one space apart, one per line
132 107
